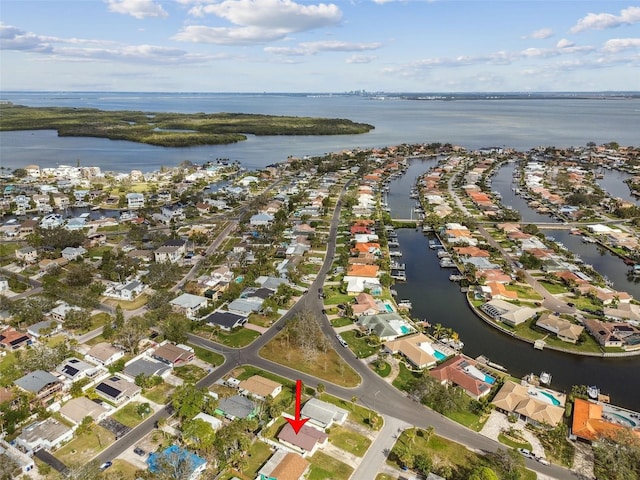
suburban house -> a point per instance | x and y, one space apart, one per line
44 328
147 367
71 253
48 434
564 329
24 461
386 326
323 414
104 353
125 291
590 422
178 458
174 355
117 390
236 407
260 219
43 385
168 254
259 387
59 313
189 304
225 320
306 441
76 409
464 373
526 402
614 334
508 313
27 254
74 369
210 419
284 465
11 339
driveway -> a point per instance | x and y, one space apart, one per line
498 422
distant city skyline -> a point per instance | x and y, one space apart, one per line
319 46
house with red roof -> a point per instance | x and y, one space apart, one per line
464 373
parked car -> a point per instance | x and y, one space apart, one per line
526 453
341 340
139 451
105 465
543 460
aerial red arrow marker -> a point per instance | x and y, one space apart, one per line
298 422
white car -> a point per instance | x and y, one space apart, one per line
543 461
526 453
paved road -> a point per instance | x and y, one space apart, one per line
373 392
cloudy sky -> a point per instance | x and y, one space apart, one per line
313 46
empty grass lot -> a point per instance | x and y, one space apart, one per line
159 394
128 415
324 467
349 440
207 355
85 446
189 373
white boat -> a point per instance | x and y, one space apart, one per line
593 392
545 377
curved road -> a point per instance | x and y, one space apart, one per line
373 392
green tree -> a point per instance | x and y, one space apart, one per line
176 327
188 400
483 473
617 457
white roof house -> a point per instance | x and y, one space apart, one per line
49 434
323 414
189 304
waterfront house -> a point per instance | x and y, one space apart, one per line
614 334
386 326
366 305
508 313
135 200
416 349
530 404
591 423
463 372
623 312
563 329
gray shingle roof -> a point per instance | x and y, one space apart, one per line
36 380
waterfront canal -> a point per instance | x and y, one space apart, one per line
438 300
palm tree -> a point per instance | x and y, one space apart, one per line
354 399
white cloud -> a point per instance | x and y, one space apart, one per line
540 34
601 21
616 45
275 14
137 8
228 36
564 43
312 48
356 59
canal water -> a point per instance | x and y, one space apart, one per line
613 182
438 300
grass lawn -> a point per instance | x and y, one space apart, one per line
128 415
125 469
327 366
8 371
404 377
524 292
98 251
349 440
553 288
384 371
263 320
85 446
511 442
189 373
258 455
133 305
238 339
324 467
358 344
95 340
384 476
341 322
207 355
160 393
582 303
469 419
357 413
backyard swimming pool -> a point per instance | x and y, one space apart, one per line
388 308
552 399
438 355
404 329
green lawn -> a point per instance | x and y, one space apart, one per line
524 292
349 440
258 455
357 413
469 419
160 393
341 322
405 376
189 373
384 371
553 288
358 344
510 442
128 415
324 467
263 320
85 446
238 339
126 305
8 369
207 355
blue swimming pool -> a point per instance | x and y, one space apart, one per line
404 329
626 420
489 379
388 308
439 355
239 279
554 400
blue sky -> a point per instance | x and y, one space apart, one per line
318 46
